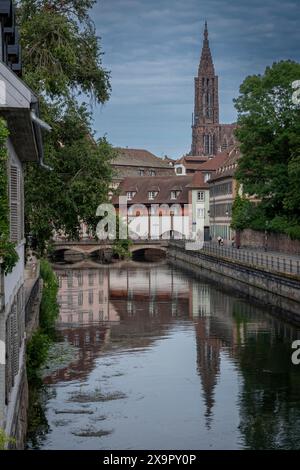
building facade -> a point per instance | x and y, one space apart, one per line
19 108
223 189
164 207
139 163
209 137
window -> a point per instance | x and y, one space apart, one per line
130 195
91 297
91 279
141 171
209 144
152 172
175 194
80 298
179 170
80 279
152 195
200 196
200 213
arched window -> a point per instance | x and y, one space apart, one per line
209 144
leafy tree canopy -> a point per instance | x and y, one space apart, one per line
269 134
61 58
61 52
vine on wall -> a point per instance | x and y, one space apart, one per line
8 254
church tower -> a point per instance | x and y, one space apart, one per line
205 126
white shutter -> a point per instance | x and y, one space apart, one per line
15 341
15 205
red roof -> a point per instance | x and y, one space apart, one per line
163 186
198 181
214 163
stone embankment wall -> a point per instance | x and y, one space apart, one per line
279 292
274 241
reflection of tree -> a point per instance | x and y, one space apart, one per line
38 426
269 401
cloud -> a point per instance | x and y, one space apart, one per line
152 49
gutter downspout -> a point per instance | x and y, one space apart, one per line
38 125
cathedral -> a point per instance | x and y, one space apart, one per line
209 137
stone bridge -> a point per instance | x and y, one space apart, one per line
88 247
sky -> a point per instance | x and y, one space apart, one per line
152 50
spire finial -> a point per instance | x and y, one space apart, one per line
205 31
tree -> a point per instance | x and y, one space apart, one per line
61 53
62 64
269 134
78 183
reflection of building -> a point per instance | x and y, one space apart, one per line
138 306
83 296
208 361
90 341
148 293
200 303
149 301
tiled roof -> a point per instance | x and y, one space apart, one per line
164 185
140 158
228 168
198 181
194 160
214 163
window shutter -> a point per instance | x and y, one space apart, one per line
15 204
15 340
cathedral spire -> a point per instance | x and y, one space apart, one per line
206 31
206 66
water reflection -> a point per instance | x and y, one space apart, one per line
194 367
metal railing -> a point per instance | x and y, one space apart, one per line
274 262
30 301
270 261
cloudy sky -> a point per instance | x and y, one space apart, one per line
152 48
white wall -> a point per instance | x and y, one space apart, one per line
14 280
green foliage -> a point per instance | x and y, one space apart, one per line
61 53
49 308
7 249
5 440
38 346
121 248
79 182
241 213
37 352
269 134
61 59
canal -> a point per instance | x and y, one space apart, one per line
150 357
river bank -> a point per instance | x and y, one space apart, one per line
166 359
276 290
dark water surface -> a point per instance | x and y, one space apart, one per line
166 361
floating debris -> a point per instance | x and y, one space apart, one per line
92 433
96 396
74 412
